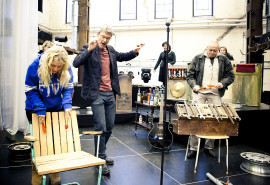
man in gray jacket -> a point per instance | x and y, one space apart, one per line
209 76
100 84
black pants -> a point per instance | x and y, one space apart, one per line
162 75
29 115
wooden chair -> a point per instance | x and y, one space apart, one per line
57 147
198 149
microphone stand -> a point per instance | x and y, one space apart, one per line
168 23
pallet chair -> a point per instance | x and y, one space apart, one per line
56 147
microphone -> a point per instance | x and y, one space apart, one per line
168 22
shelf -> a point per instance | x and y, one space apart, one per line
151 106
144 124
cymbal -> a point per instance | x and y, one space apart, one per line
178 89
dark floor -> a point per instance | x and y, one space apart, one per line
137 164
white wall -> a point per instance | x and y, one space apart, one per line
53 20
188 35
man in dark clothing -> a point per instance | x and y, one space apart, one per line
209 76
100 84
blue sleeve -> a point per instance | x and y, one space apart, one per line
32 90
68 92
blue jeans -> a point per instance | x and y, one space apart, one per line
104 109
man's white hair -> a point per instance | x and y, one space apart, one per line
106 28
215 42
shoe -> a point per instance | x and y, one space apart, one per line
191 154
36 178
211 152
109 161
105 170
55 179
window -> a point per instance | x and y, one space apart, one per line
267 7
164 9
128 10
267 14
40 5
202 8
68 11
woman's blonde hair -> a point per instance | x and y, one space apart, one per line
224 48
44 70
47 43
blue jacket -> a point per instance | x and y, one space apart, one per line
39 98
92 70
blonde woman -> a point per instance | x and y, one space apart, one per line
46 45
223 50
48 87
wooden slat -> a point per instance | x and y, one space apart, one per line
49 134
67 166
65 156
36 134
69 134
71 163
68 163
213 137
92 132
60 156
43 140
63 135
56 137
76 137
31 138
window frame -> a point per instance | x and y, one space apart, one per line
120 12
40 6
67 12
155 11
203 15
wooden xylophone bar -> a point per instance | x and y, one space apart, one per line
189 110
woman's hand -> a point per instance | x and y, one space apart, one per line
41 118
68 113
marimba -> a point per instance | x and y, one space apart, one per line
205 119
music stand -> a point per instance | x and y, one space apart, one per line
168 23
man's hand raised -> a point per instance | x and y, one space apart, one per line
138 48
92 45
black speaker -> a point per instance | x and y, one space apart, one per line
44 36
